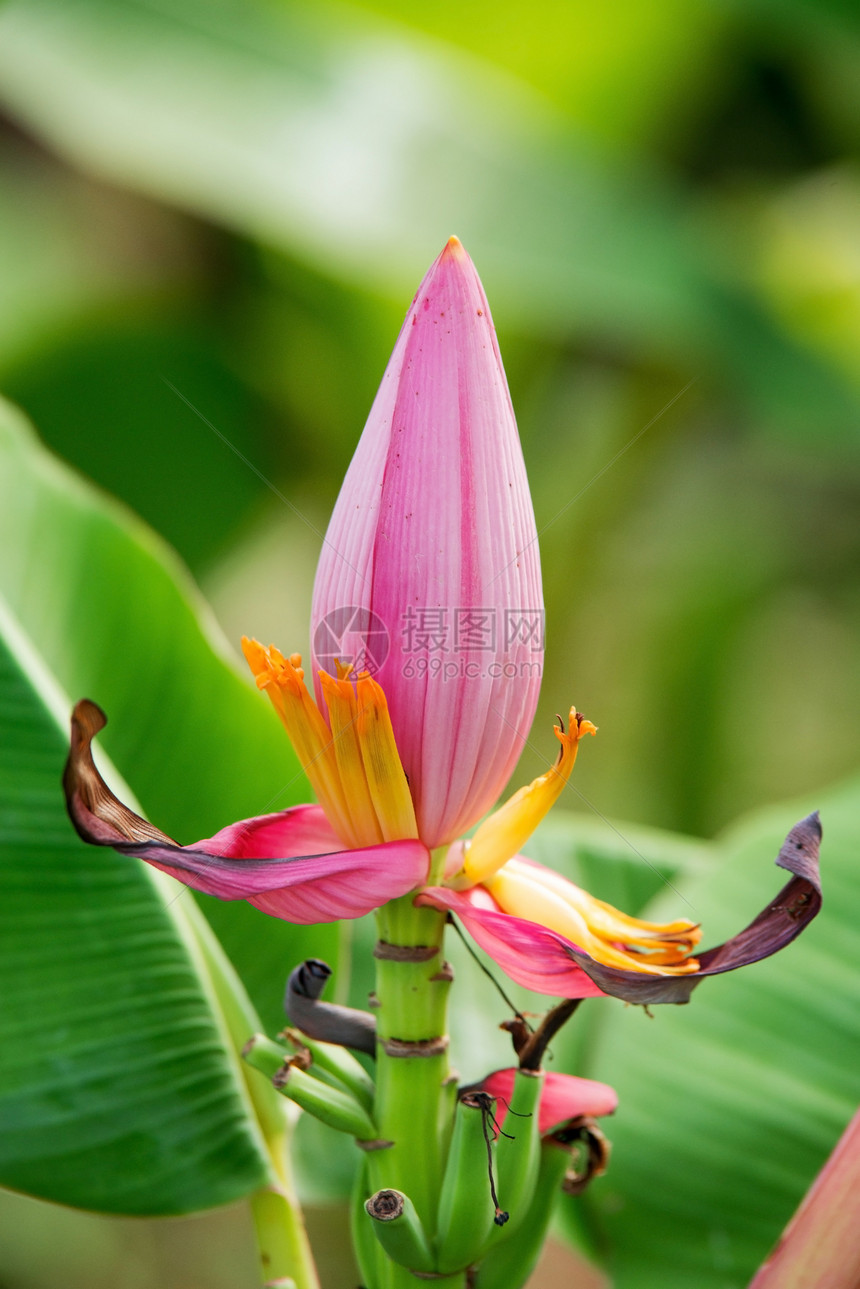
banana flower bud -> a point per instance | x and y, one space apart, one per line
431 561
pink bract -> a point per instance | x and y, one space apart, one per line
433 543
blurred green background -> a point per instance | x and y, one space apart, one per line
214 213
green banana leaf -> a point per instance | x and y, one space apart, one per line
119 1089
118 620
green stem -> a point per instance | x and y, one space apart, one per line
414 1092
285 1253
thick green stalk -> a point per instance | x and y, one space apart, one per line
413 1107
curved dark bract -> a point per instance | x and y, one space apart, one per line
101 819
327 1022
776 926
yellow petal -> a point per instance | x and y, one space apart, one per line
611 923
502 835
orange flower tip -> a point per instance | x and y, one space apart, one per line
252 649
270 667
296 661
455 249
258 660
579 724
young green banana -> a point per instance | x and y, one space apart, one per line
518 1150
510 1265
467 1206
338 1108
398 1229
336 1061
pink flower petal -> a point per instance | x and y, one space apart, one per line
563 1097
288 864
301 830
434 535
532 955
303 888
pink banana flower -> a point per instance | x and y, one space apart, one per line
427 654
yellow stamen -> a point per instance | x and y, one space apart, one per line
385 777
610 923
541 896
343 713
501 835
354 767
283 681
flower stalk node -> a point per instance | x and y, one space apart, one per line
404 952
407 1048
